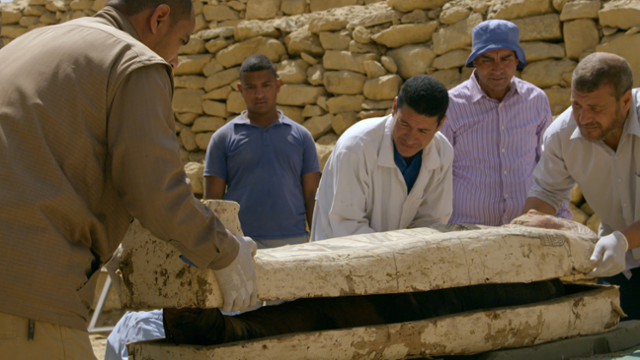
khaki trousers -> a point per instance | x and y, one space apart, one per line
50 341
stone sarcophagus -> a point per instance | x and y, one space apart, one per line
391 262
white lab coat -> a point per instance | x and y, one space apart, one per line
363 191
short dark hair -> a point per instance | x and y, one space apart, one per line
257 62
600 69
426 95
180 9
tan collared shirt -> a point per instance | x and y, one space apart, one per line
87 141
609 180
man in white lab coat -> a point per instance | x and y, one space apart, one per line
392 172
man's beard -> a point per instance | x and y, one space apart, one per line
604 133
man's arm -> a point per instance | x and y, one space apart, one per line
309 188
214 188
534 203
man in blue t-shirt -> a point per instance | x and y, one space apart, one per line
268 162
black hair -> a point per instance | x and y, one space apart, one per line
600 69
257 62
180 9
425 95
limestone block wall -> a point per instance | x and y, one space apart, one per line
342 61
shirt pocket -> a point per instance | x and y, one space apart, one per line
8 326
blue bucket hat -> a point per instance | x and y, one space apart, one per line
496 34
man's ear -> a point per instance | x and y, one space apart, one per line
160 20
279 84
394 108
239 86
626 101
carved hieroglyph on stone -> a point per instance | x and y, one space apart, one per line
584 313
390 262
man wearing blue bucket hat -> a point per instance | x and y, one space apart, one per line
495 124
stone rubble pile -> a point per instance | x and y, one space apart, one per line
342 61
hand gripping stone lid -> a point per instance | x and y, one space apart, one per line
496 34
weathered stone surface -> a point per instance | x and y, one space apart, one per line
187 118
299 95
252 28
627 47
453 14
325 150
215 108
377 18
34 11
344 60
359 48
187 100
374 69
326 22
235 103
389 63
215 45
450 77
292 112
222 78
410 5
308 58
223 32
400 35
219 13
191 64
319 125
212 67
412 59
549 72
377 105
194 46
622 14
322 5
334 40
292 71
382 88
202 140
237 53
191 82
10 15
343 121
559 99
262 9
585 313
237 5
345 103
188 139
362 35
207 123
195 172
218 94
344 82
329 139
417 15
80 4
515 9
312 110
452 59
315 75
579 36
543 27
559 4
12 31
539 50
302 40
580 10
293 7
457 35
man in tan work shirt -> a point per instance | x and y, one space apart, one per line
87 141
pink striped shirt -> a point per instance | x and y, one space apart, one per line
496 147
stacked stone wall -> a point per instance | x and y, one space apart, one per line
342 61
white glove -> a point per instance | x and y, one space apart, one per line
238 280
113 268
611 249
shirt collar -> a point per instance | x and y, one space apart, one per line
430 158
116 19
243 118
631 125
477 93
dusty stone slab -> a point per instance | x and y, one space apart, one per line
292 71
457 35
374 69
321 5
237 53
449 77
585 313
385 87
559 99
194 46
543 27
188 100
215 108
579 36
410 5
319 24
344 60
219 13
299 95
334 40
292 112
453 14
580 10
262 9
547 73
344 82
390 262
376 18
400 35
235 103
222 78
207 123
319 125
343 121
410 60
540 50
516 9
621 14
452 59
252 28
345 103
302 40
315 75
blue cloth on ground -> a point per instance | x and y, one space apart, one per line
263 169
409 171
134 326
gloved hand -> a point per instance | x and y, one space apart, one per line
238 280
611 249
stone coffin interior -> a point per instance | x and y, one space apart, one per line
584 310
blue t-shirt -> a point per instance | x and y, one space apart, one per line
263 170
409 172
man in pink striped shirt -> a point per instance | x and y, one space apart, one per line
495 124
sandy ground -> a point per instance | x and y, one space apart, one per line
98 341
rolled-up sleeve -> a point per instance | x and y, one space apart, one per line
552 182
149 176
